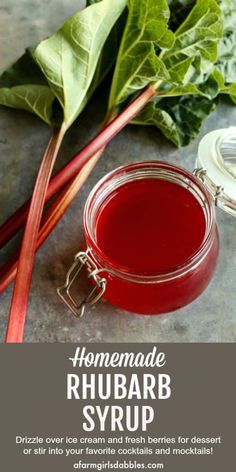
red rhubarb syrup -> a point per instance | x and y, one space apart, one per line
150 225
152 236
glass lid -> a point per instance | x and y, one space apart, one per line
216 167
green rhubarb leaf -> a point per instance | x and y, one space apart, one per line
179 70
152 115
209 89
179 9
226 62
212 86
24 86
188 97
69 58
179 119
197 40
24 71
137 63
108 55
231 91
37 99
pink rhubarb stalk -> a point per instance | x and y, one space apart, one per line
20 296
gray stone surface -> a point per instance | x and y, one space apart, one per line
211 318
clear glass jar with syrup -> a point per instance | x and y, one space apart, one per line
150 230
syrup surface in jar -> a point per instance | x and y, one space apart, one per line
150 225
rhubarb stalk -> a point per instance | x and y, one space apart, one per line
19 302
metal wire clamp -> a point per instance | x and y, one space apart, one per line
217 191
82 260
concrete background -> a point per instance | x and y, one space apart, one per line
211 318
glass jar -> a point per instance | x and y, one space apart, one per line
158 292
140 289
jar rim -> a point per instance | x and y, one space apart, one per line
128 273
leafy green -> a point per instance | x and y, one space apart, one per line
196 44
18 84
24 71
24 86
179 119
185 99
41 100
231 91
69 58
109 53
179 10
37 99
209 89
191 66
152 115
137 63
226 62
